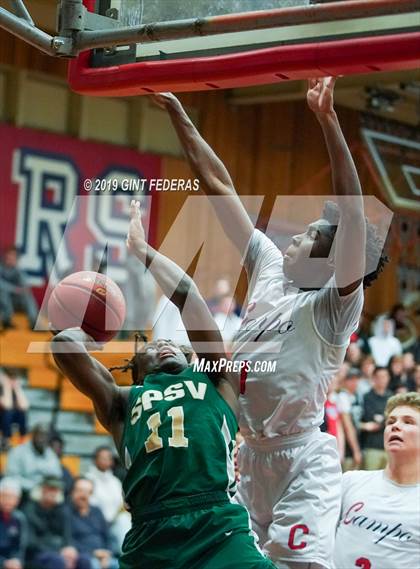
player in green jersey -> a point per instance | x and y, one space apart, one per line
175 431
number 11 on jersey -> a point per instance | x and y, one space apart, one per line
177 440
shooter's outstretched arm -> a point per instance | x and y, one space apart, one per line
91 378
179 287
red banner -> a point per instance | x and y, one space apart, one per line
55 186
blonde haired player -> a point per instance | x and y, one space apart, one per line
290 471
379 522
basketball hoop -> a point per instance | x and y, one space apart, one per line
224 50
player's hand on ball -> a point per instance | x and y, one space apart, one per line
162 100
135 237
320 95
80 335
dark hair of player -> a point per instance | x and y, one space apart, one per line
374 245
140 346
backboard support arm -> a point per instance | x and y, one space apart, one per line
21 11
80 30
228 23
26 31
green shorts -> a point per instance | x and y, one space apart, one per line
189 533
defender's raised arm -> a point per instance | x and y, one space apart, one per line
349 257
210 170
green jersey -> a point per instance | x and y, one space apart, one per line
178 439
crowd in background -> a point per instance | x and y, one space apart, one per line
15 294
52 520
13 406
377 365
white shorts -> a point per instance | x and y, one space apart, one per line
293 498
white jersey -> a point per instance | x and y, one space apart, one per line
379 523
306 334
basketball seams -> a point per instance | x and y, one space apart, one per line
97 296
64 309
91 292
57 300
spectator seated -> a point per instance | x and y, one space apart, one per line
89 529
49 535
12 526
13 405
15 294
30 462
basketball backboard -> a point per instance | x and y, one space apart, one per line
137 12
132 47
200 45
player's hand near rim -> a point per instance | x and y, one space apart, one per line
211 172
350 238
320 96
163 100
215 181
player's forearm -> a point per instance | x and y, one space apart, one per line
180 288
204 162
350 241
67 347
214 178
70 353
175 283
344 174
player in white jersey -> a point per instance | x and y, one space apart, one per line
380 512
290 472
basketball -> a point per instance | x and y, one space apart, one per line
89 300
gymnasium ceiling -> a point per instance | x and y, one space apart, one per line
393 96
